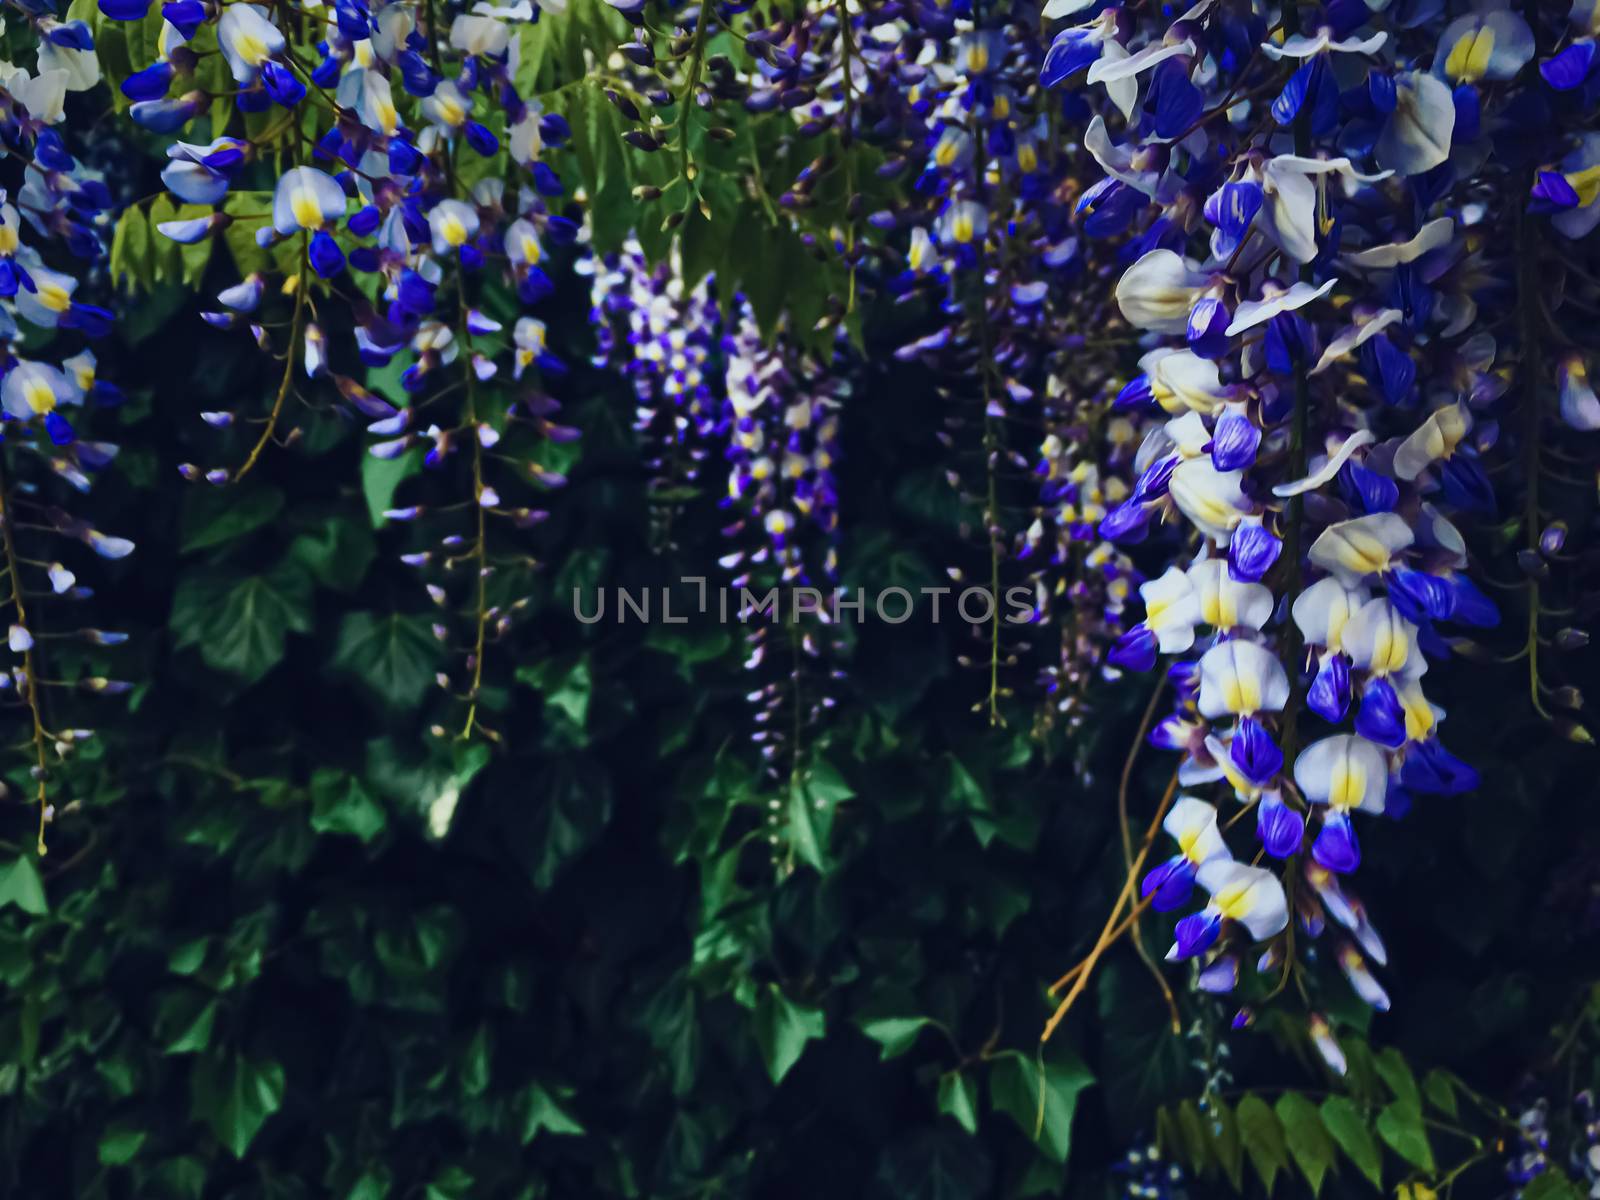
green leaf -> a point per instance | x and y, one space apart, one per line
803 829
1400 1126
542 1111
1262 1136
1308 1142
234 1096
1194 1143
337 553
395 656
1552 1184
239 623
1143 1063
1392 1067
894 1035
119 1144
1229 1145
958 1098
1043 1105
566 684
20 885
212 516
1440 1091
782 1030
340 804
935 1164
382 477
1348 1127
184 1022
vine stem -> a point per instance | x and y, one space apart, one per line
40 735
1127 849
1531 369
302 285
991 513
847 140
697 57
1116 924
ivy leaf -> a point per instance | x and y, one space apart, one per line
341 804
566 685
337 553
1348 1127
1262 1136
894 1035
1143 1062
1043 1107
382 477
212 516
239 622
394 656
20 885
1400 1125
542 1111
935 1164
1308 1142
184 1021
958 1098
782 1030
235 1095
119 1144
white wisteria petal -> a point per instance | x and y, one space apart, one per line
80 67
1123 90
1324 609
1417 135
1345 771
1435 438
1432 236
1157 292
1213 500
1492 45
1251 896
1192 824
1117 161
1065 8
1352 338
306 198
1352 550
1225 602
1239 677
1188 434
1580 407
1136 64
1330 468
1256 312
248 38
1308 45
1378 639
1171 610
1181 379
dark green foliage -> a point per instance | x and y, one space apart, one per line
288 943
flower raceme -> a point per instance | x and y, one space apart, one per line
1301 263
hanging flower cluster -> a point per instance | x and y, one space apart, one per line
386 242
781 425
53 230
663 336
1309 240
